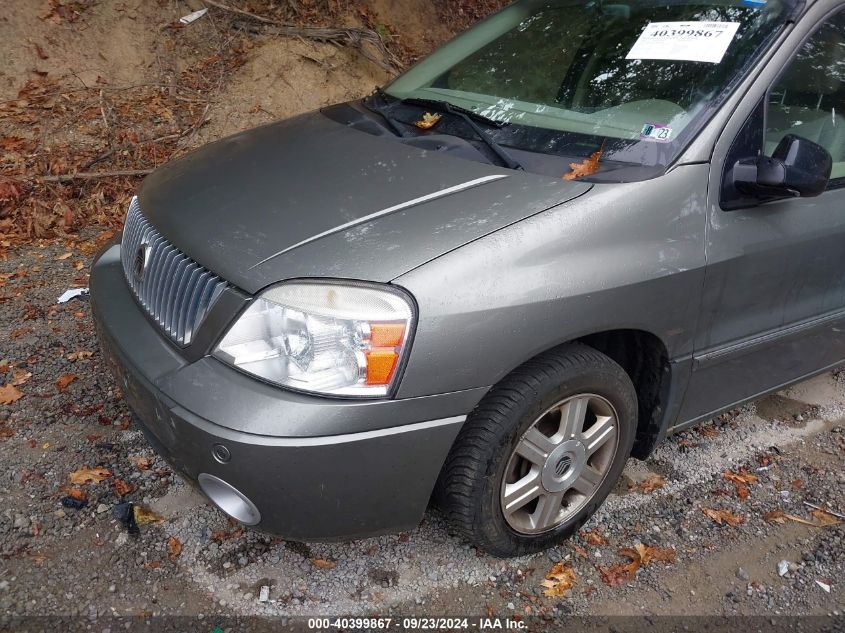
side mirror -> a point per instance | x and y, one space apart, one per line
798 167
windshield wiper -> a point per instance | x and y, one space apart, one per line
384 110
470 117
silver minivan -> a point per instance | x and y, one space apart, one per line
574 229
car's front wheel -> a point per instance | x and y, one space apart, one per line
540 452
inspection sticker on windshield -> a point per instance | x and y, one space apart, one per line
684 41
656 132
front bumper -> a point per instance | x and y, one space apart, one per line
314 468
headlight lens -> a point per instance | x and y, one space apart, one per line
331 339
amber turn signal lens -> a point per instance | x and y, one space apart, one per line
381 362
387 334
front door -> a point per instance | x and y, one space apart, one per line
773 309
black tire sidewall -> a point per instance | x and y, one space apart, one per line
607 380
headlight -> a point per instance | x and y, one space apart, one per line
327 338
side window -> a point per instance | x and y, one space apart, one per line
809 98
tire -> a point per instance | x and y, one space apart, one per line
487 471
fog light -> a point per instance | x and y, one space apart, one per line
229 499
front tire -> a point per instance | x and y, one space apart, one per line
540 453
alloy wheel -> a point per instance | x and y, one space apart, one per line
559 463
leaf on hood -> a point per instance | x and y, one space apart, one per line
144 516
593 537
558 581
322 563
89 475
64 380
586 167
722 517
174 547
9 394
428 121
649 484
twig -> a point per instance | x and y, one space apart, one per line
225 7
91 175
815 507
99 159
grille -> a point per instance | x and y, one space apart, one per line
174 290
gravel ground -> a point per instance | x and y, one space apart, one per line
57 559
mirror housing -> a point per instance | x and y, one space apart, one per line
797 167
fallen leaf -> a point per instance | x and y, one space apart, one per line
20 376
64 380
618 574
174 547
741 477
89 475
586 167
742 491
23 331
593 537
428 121
80 355
144 516
64 256
6 432
721 517
10 394
153 564
322 563
122 488
776 516
141 463
640 555
76 493
558 581
825 519
40 52
222 535
649 484
707 431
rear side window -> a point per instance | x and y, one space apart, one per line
809 98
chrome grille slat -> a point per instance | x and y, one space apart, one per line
174 290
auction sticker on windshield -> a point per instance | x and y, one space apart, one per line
684 41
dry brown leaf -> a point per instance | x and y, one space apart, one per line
6 432
649 484
586 167
558 581
593 537
708 431
322 563
141 463
428 121
80 355
122 488
619 574
742 491
721 517
144 516
76 493
10 394
20 376
776 516
89 475
64 256
64 380
825 519
174 547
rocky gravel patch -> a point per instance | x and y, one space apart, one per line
66 549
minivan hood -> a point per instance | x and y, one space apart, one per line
309 197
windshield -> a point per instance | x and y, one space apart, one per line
635 79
